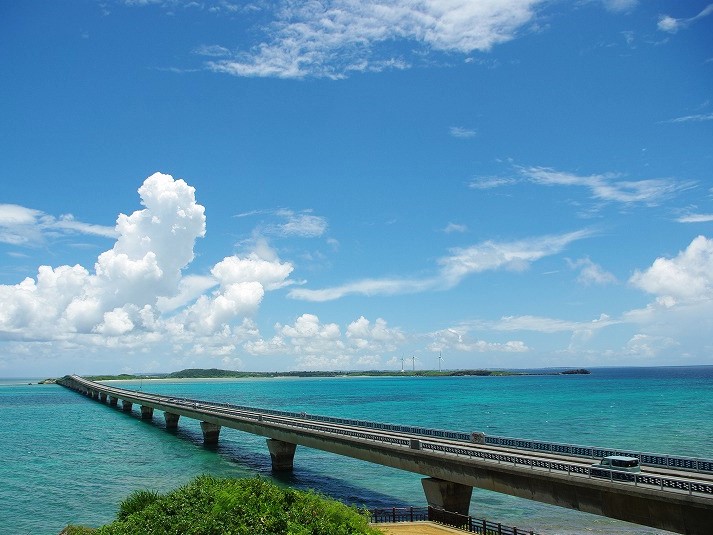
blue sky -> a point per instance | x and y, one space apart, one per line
346 184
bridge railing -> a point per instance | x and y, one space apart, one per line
659 481
693 464
466 523
647 459
413 430
637 479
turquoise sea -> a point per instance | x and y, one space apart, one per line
67 459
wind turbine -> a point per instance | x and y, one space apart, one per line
402 364
440 358
413 362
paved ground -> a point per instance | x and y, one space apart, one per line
416 528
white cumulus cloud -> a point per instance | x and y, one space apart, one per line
152 247
327 345
137 295
681 314
458 339
687 276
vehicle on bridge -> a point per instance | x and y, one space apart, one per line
616 467
619 462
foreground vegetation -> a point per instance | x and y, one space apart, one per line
214 506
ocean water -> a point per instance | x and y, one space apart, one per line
67 459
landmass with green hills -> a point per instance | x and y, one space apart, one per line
214 373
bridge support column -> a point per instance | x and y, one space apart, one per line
113 401
454 497
102 397
171 420
210 433
146 412
125 405
282 454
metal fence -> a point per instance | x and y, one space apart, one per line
447 518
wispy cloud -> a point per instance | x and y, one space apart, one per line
491 182
610 186
695 218
462 132
591 273
697 118
335 38
460 263
303 224
26 226
368 287
542 324
672 25
454 227
68 223
491 255
618 6
215 51
461 337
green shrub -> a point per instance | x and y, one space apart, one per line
137 501
78 530
216 506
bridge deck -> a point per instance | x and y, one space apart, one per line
665 498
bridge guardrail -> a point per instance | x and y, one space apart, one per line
414 430
613 475
693 464
647 459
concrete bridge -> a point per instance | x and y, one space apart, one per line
674 499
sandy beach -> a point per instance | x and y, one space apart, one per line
415 528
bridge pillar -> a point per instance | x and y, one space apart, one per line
171 420
454 497
146 412
102 397
113 401
210 433
282 454
125 405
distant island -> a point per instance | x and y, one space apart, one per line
214 373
